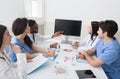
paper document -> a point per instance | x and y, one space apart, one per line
36 62
82 60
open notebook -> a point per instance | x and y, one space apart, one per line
36 63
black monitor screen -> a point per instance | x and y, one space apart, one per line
69 27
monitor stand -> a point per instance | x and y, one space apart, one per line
66 41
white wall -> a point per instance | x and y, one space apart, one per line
10 10
85 10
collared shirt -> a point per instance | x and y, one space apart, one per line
109 53
24 48
88 42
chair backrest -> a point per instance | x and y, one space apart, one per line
117 35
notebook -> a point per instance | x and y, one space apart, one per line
36 63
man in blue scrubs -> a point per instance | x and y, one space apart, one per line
107 50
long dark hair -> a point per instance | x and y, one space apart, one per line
2 31
95 28
19 26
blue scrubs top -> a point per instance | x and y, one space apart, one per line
24 48
109 53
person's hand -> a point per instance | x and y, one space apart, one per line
50 53
16 49
29 60
30 56
80 55
83 53
75 44
56 34
54 45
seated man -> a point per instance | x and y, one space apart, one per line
35 36
107 50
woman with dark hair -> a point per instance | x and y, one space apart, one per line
20 29
7 70
91 39
106 50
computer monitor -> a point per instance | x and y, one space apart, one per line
69 27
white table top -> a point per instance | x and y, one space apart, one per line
63 67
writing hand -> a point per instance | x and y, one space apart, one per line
16 48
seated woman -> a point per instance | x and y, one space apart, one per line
91 39
20 29
7 70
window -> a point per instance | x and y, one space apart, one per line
33 8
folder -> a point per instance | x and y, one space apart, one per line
36 63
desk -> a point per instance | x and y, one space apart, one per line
48 70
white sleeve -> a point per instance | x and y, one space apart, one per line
94 43
45 37
84 42
38 37
8 71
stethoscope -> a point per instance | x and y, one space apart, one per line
92 41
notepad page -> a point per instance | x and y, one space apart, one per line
36 62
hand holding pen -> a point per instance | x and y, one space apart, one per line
15 48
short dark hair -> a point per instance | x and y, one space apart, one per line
95 27
31 22
2 31
33 26
19 26
109 26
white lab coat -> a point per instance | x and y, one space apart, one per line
39 37
13 71
88 42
